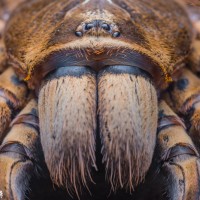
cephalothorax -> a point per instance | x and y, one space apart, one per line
101 81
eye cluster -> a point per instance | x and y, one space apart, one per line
98 25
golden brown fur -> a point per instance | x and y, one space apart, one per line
167 46
6 7
13 95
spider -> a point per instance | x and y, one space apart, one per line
99 91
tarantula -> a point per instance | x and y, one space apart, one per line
100 91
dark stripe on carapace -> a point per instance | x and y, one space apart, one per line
74 71
87 57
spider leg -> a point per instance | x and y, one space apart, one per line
20 154
174 173
13 95
13 92
184 97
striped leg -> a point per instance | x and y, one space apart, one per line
13 95
184 97
20 154
174 173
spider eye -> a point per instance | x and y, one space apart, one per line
116 34
89 26
105 27
78 33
